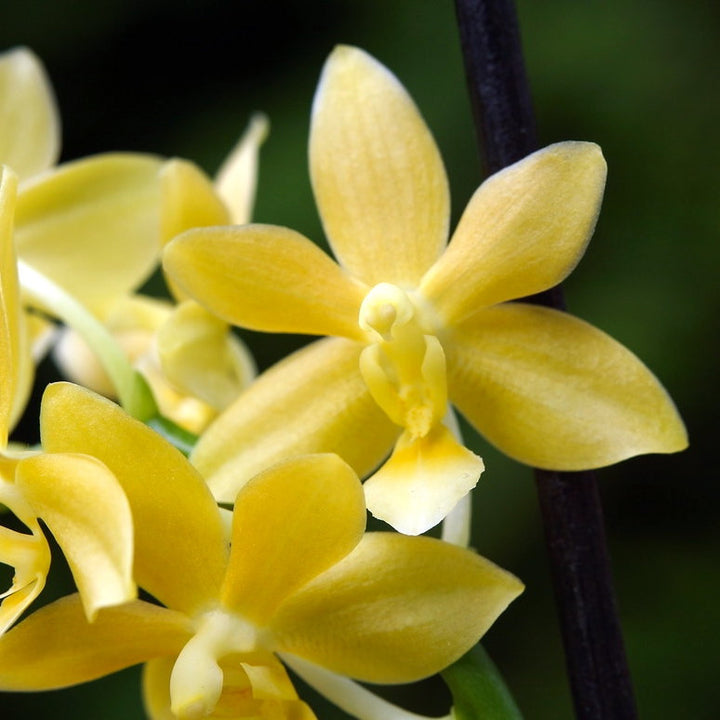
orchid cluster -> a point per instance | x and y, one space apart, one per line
235 502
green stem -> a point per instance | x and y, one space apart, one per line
570 504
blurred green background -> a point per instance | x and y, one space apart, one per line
182 77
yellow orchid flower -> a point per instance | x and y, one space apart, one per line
89 225
418 323
298 577
193 363
85 232
77 497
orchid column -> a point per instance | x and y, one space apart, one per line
569 502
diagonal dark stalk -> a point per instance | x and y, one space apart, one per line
569 502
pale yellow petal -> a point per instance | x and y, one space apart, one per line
378 177
30 136
422 481
200 355
314 401
396 609
267 278
56 646
138 312
554 392
189 200
9 304
291 523
236 179
180 547
523 231
36 336
93 226
85 508
25 360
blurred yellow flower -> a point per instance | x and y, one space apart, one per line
418 323
298 575
193 363
77 497
88 229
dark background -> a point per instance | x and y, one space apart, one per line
182 78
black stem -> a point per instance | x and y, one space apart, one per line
569 502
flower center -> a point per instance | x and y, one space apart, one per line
404 364
196 682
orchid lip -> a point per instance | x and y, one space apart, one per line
197 680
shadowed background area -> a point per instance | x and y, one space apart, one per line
182 78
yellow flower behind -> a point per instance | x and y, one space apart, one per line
88 228
193 363
417 323
77 497
298 577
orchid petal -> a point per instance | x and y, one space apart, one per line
82 503
93 226
133 313
23 592
156 688
27 553
9 305
200 355
30 137
236 180
378 177
395 610
523 231
313 401
422 481
177 523
56 647
189 200
267 278
36 336
240 698
554 392
269 680
301 517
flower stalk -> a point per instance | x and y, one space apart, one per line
569 502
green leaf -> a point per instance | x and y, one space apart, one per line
478 690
